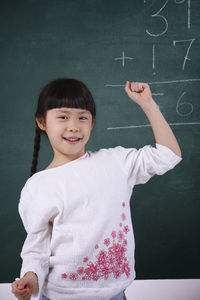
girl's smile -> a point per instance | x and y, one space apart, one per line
72 140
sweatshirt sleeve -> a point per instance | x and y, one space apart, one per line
36 216
140 165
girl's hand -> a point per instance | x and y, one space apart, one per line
25 287
140 93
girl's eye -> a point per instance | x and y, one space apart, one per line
63 117
83 118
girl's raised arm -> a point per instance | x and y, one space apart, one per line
140 93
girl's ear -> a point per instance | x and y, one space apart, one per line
41 123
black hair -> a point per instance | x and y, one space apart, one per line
62 92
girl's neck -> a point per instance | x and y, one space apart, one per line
59 161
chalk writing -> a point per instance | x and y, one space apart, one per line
158 82
187 104
157 94
157 15
191 41
148 125
179 2
175 81
153 59
182 108
123 58
188 10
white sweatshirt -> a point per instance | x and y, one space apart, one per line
80 240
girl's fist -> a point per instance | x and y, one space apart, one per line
25 287
139 92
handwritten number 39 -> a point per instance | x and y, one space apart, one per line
163 19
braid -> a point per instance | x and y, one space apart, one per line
36 150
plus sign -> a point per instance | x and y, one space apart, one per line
123 58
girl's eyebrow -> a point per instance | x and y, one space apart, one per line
84 111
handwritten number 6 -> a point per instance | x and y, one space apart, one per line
185 104
157 15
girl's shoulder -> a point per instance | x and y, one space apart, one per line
39 188
117 150
41 181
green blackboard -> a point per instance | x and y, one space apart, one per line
104 43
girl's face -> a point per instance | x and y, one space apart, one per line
68 130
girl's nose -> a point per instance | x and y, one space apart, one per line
73 127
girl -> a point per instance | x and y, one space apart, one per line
80 243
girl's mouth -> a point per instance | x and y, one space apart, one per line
72 140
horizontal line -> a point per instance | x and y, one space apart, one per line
175 81
158 82
117 58
158 94
114 85
148 125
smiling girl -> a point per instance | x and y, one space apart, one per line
80 243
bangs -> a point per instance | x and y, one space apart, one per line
70 93
70 102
